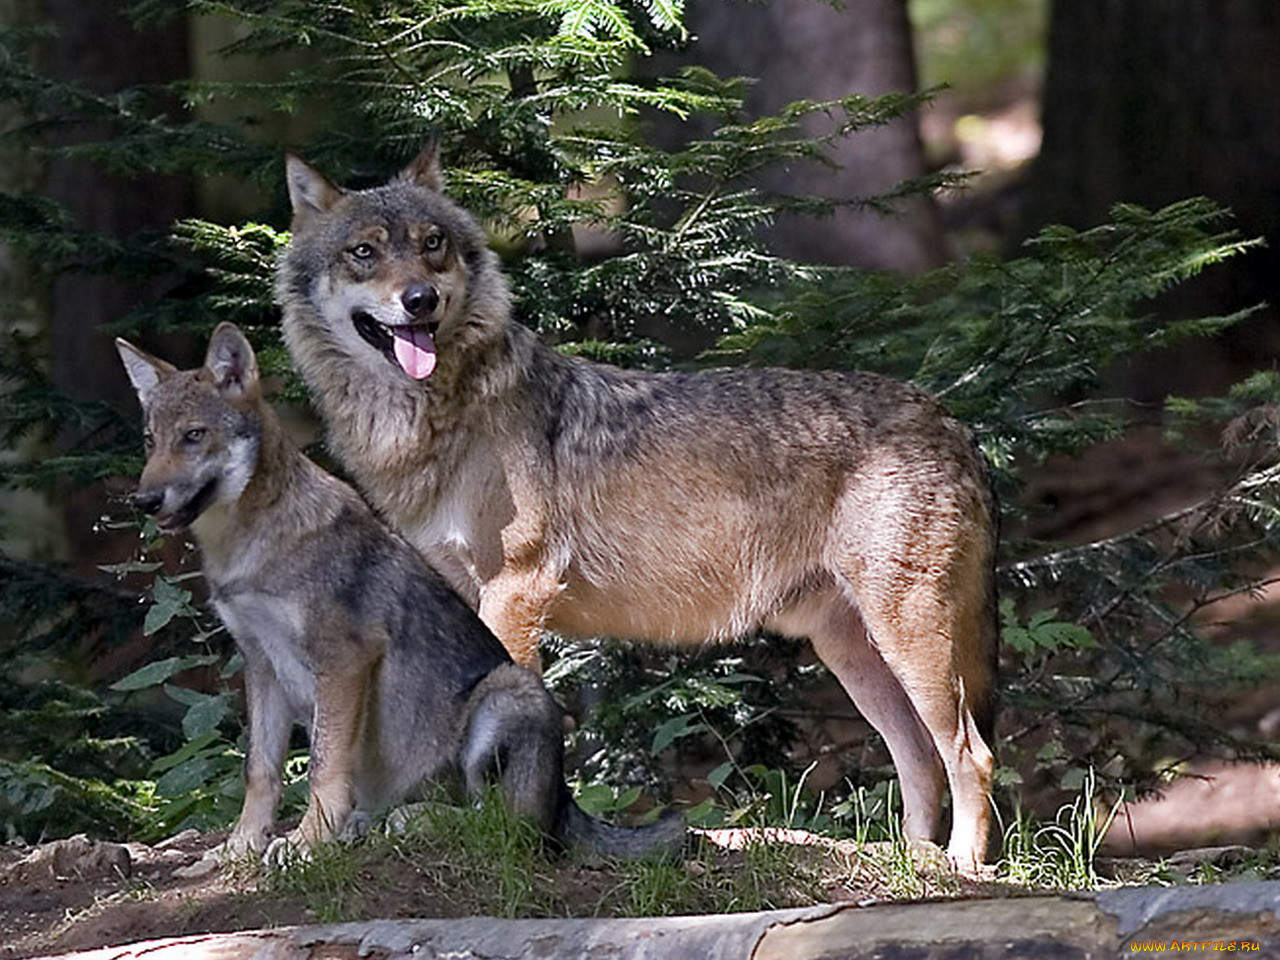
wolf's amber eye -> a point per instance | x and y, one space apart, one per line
362 251
194 435
434 243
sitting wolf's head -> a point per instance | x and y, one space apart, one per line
203 428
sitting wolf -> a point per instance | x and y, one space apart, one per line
342 625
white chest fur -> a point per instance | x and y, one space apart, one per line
271 629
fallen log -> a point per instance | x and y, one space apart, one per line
1239 918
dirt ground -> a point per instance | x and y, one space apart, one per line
76 894
71 895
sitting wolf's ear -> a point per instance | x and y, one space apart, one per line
424 169
310 193
232 362
145 371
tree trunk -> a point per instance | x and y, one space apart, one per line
806 49
1151 102
33 528
97 47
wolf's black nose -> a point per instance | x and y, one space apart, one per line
148 501
419 299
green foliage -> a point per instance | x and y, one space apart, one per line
642 715
1042 632
1136 682
39 802
67 755
768 797
95 440
1002 342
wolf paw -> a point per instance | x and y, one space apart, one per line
285 852
239 846
400 818
357 825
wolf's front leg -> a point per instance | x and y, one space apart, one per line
270 722
336 734
515 601
514 606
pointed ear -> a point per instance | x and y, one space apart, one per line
145 371
310 193
424 169
231 360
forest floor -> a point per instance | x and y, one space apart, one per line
76 894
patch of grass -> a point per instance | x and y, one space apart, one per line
1059 855
481 860
483 854
457 861
909 873
330 881
763 875
774 875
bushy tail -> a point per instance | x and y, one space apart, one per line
665 837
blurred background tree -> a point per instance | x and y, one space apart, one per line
796 50
1148 107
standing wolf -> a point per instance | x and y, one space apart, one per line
342 625
676 507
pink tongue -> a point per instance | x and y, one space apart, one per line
415 350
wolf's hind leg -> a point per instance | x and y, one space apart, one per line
840 640
930 636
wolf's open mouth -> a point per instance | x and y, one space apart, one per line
186 515
412 347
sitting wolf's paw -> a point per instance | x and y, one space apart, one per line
285 852
401 818
357 826
241 844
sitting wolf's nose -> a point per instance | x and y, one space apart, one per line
419 299
148 501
